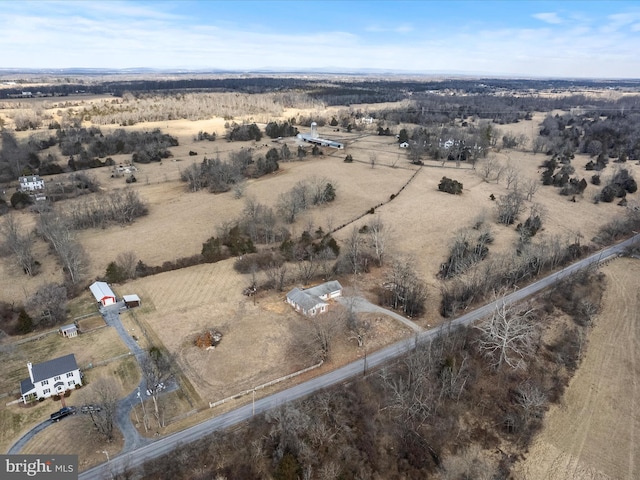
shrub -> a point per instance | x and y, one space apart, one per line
20 200
450 186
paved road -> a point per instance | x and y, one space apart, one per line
165 445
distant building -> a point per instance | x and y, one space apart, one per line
53 377
404 145
312 301
312 137
30 183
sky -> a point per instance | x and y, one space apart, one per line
567 39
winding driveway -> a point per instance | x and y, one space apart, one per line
135 458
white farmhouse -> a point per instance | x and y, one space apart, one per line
53 377
312 301
30 183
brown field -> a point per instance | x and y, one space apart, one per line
592 433
178 305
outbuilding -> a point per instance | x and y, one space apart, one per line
131 301
69 331
102 293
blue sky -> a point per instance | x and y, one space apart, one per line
513 38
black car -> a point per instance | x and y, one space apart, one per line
63 412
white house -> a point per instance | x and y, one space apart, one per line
53 377
102 293
31 183
404 145
312 301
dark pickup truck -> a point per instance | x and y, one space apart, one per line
63 412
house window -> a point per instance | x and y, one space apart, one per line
45 391
56 378
70 374
44 382
72 382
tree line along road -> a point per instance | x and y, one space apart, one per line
139 456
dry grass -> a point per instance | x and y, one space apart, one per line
592 433
177 305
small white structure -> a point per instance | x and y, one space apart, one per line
404 145
69 331
53 377
312 301
102 293
30 183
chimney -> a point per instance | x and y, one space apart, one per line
29 367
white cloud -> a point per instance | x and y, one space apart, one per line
548 17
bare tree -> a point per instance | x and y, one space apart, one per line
276 273
48 305
509 207
105 394
512 176
356 326
20 246
508 336
531 399
354 252
157 368
314 337
127 262
379 236
407 291
488 169
531 187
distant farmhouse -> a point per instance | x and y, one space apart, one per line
53 377
102 293
316 140
30 183
312 301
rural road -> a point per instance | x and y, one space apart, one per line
157 448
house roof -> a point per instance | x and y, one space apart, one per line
51 368
131 298
305 300
26 386
310 298
71 327
324 288
29 178
101 290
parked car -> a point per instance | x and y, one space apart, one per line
63 412
90 408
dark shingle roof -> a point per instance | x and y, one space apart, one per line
51 368
26 386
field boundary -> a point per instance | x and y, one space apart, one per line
265 385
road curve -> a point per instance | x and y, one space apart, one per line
166 444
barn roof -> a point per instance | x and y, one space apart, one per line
101 290
131 298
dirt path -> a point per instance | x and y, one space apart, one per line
593 434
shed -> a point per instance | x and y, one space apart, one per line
69 331
131 301
102 293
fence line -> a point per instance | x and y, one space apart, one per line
265 385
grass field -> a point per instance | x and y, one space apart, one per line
593 433
178 305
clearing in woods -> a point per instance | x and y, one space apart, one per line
593 433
